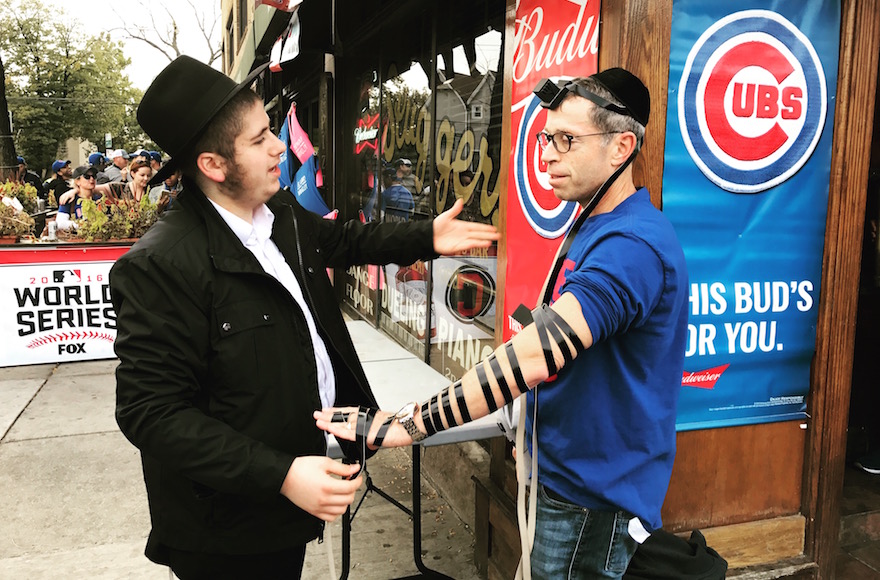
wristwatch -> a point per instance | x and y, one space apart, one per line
405 418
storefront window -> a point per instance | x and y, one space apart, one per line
467 141
427 130
406 195
361 283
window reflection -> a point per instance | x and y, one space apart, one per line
426 130
405 162
467 138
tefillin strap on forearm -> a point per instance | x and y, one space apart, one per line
487 388
446 403
462 404
436 421
550 325
431 409
488 392
499 378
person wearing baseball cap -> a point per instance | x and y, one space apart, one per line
84 178
60 181
24 175
611 330
118 168
229 336
99 162
155 161
405 174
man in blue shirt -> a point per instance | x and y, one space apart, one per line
607 353
397 201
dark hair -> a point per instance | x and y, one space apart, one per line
219 137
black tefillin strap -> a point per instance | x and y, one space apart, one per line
552 94
547 321
517 371
499 378
487 388
430 414
446 403
364 422
435 414
462 404
541 327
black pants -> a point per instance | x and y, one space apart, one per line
286 565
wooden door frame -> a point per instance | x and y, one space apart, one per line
832 365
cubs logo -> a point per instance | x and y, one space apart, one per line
752 101
470 293
547 215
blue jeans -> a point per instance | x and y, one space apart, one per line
574 542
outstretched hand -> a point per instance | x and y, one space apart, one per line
453 236
396 435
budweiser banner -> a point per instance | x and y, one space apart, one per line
748 147
55 305
553 40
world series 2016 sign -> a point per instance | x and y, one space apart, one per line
55 305
752 101
745 183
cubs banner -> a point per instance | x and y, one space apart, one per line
558 40
745 182
55 305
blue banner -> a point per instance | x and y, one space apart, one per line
303 180
745 182
306 189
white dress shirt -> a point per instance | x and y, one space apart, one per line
256 237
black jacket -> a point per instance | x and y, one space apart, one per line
217 381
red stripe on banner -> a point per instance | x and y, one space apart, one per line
57 254
704 379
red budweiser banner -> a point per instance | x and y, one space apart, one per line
705 379
553 40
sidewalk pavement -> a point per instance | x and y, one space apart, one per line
73 502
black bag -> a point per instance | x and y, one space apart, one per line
665 556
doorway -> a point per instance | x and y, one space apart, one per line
860 503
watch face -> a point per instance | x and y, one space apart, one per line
406 412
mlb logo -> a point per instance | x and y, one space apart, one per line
66 276
752 101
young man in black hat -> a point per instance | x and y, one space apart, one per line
229 337
608 350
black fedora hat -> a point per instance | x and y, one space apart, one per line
181 102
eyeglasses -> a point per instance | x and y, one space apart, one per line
562 141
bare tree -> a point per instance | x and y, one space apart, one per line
165 37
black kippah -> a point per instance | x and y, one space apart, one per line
627 89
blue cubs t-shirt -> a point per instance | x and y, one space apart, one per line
606 423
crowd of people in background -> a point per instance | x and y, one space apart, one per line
115 176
